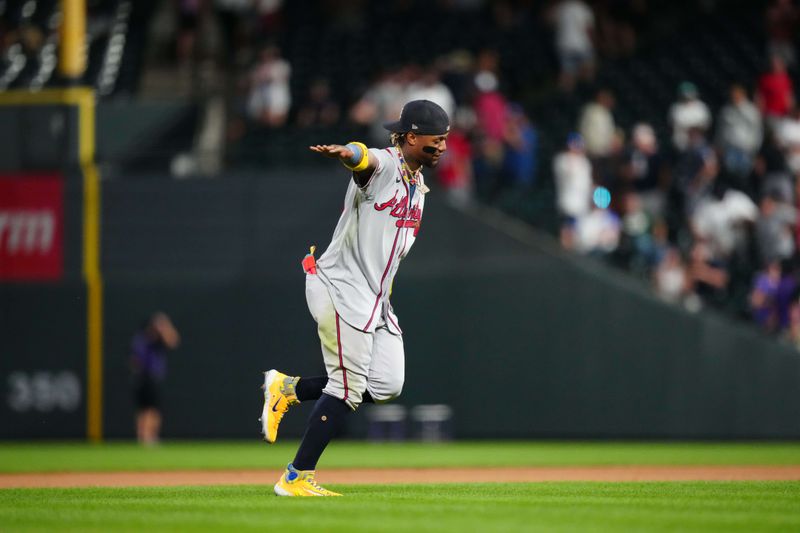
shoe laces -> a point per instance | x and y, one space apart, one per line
288 389
313 482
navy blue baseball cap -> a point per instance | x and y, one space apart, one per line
575 139
422 117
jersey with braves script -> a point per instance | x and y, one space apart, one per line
377 228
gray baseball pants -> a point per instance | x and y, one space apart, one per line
355 361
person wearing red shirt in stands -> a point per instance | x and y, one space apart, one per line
775 95
455 168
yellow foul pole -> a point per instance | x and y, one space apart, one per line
72 62
72 65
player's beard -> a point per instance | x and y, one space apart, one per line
431 160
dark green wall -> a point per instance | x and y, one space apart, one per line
37 138
42 361
520 339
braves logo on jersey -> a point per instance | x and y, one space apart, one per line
408 217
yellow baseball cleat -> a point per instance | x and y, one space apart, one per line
278 397
295 482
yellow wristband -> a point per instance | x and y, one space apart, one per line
363 163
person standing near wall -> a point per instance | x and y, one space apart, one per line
149 365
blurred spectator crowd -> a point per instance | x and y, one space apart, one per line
29 44
706 211
702 203
351 64
711 216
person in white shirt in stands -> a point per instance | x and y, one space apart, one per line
574 25
429 86
688 113
598 232
722 220
597 125
670 278
739 132
573 177
381 102
270 98
788 136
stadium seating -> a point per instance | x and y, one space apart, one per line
115 39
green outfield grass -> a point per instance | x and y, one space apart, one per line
707 506
52 457
648 507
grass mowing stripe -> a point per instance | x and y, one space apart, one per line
719 506
54 457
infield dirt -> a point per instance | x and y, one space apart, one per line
407 475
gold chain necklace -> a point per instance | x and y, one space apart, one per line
408 175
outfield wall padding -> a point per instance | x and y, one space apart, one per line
520 339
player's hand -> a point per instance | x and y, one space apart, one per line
332 150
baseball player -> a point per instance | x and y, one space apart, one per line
348 289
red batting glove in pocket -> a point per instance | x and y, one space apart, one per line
309 262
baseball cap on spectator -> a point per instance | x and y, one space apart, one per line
422 117
687 89
575 141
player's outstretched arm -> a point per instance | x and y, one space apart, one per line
354 156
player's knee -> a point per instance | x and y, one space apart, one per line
387 390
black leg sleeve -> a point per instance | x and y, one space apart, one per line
326 421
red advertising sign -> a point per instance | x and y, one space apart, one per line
31 228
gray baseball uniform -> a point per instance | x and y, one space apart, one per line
361 338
